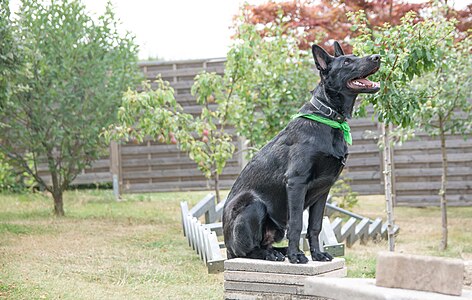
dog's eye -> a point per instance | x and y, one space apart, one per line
347 62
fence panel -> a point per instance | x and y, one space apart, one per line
418 171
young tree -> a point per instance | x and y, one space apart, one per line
408 50
216 146
72 73
446 108
155 114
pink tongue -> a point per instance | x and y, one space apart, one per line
364 81
367 82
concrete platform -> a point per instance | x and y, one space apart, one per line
259 279
365 289
263 266
267 296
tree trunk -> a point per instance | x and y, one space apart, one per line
56 189
58 204
217 187
442 191
388 186
57 194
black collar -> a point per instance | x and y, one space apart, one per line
326 111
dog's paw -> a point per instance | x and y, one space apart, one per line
321 256
279 256
274 255
270 256
297 258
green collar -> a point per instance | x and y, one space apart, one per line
343 126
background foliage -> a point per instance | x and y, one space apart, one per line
272 78
266 80
326 20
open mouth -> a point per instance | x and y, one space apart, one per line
362 83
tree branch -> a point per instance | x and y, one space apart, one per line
393 67
22 163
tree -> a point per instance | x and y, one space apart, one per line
155 114
72 73
215 147
446 107
408 50
326 20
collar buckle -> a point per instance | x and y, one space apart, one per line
330 110
326 110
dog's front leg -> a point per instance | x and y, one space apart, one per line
296 191
315 222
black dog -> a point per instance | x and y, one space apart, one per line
297 168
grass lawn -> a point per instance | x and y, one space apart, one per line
134 249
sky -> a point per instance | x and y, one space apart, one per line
179 29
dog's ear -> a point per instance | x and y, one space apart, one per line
338 51
322 58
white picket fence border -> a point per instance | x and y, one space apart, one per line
357 227
203 237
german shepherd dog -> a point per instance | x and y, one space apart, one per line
297 168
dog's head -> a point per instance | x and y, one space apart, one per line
346 74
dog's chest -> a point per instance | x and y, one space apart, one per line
325 172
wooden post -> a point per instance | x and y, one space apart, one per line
388 186
442 191
392 170
115 169
242 152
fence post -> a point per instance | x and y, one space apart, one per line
392 170
115 168
242 149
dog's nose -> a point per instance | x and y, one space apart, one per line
375 57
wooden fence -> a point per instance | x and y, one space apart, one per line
418 171
152 166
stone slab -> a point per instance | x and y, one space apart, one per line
336 273
264 288
275 278
266 296
285 267
423 273
363 289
